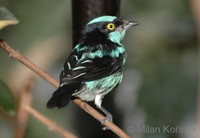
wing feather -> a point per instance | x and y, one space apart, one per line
90 69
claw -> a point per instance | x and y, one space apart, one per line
105 128
107 118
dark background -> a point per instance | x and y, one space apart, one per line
160 78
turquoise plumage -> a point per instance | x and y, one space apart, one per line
95 65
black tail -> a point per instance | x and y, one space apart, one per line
62 95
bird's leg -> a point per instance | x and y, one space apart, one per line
98 101
108 117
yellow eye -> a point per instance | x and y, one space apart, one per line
111 26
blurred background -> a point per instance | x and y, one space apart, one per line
159 90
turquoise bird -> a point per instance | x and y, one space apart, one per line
94 67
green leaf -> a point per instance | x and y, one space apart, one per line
7 18
7 103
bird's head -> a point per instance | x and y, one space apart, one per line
112 27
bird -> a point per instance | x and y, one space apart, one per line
95 65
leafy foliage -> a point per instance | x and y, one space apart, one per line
6 18
6 99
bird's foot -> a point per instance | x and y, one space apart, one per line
107 118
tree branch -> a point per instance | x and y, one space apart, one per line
21 116
50 124
16 55
25 108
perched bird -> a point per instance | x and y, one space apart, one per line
95 65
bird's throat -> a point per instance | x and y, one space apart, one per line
116 36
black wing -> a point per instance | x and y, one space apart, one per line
76 70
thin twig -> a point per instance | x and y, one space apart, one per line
16 55
21 116
50 124
25 108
